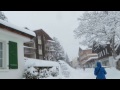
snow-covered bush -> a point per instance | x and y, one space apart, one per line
54 71
33 73
51 72
30 73
41 69
44 73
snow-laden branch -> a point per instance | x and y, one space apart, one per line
98 26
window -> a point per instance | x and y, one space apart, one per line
39 37
1 54
2 57
40 47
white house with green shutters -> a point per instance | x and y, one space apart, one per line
11 50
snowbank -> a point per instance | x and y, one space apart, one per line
66 70
41 69
39 63
112 73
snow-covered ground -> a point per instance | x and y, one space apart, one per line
67 72
112 73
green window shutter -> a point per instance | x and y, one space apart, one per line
13 55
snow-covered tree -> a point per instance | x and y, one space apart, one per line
59 51
102 27
67 59
2 16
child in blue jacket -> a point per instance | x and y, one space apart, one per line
100 71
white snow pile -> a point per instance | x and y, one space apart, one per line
112 73
68 72
41 69
65 69
41 63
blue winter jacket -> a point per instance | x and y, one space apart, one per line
100 71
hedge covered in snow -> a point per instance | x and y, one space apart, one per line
39 69
34 73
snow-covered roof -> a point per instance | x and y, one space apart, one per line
7 24
89 59
87 48
92 58
40 63
92 54
51 41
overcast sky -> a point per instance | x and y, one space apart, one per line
59 24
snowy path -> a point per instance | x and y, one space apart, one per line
112 73
80 74
75 73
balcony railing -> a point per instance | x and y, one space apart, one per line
52 49
29 51
29 44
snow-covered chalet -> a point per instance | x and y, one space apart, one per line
105 54
11 49
87 58
40 47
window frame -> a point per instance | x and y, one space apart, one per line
2 54
39 37
4 62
